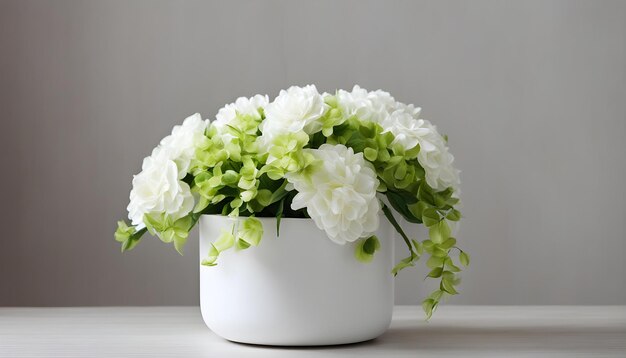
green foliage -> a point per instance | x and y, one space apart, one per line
128 235
332 118
250 233
286 155
365 248
464 258
438 247
168 230
402 203
404 263
279 215
225 241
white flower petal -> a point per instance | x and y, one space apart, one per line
339 193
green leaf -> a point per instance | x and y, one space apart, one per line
211 257
464 258
264 197
183 224
435 234
250 232
280 193
400 203
179 243
400 172
154 224
436 295
439 232
396 225
439 252
370 154
123 232
424 194
225 241
440 201
444 229
419 248
448 275
448 243
371 245
451 266
428 245
132 240
417 209
434 261
430 217
428 305
436 272
448 286
404 263
230 177
130 244
454 215
242 245
365 249
279 215
452 201
201 205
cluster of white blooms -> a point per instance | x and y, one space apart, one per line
408 129
180 146
338 189
372 106
294 110
339 193
243 106
159 188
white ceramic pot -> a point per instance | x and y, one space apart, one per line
299 289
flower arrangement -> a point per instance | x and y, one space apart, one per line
339 159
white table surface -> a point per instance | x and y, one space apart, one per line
468 331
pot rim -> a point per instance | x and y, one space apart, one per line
262 218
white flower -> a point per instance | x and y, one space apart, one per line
408 131
294 110
408 108
437 163
181 145
157 189
372 106
339 193
249 107
243 106
433 156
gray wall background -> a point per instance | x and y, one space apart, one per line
531 93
